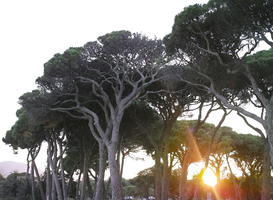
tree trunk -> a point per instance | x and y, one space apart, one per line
116 185
48 181
28 178
53 188
89 192
236 186
123 155
269 129
99 195
158 175
165 177
69 182
196 192
54 172
78 185
32 182
62 170
39 181
266 176
84 175
183 194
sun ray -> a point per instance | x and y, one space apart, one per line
196 152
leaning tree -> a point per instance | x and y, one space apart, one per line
215 46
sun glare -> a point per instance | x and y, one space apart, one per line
209 178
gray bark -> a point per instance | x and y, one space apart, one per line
32 182
84 176
64 190
99 195
78 185
269 129
90 192
115 174
39 181
54 170
70 182
48 181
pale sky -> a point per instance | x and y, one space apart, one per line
32 31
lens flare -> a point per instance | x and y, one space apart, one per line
209 178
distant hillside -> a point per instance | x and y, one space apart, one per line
8 167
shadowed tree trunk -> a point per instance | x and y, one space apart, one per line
48 181
84 175
183 194
78 185
266 175
165 175
158 175
62 151
99 194
236 186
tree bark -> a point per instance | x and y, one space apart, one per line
183 194
32 182
54 171
48 181
89 192
78 185
39 181
84 175
64 188
99 195
70 182
269 129
114 172
123 155
165 177
266 175
158 175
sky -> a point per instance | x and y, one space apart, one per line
32 31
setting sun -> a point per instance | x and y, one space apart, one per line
209 178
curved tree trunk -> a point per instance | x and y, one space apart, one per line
39 181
